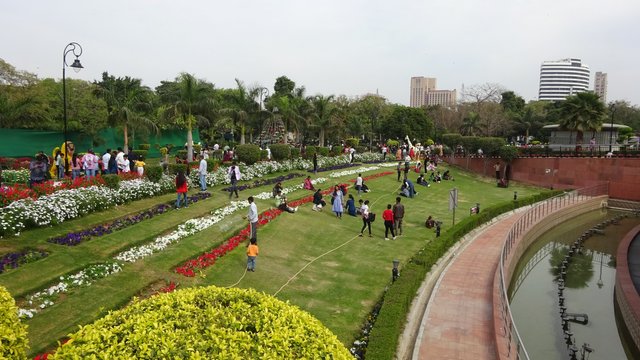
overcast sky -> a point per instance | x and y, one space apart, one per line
330 47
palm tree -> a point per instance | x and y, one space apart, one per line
242 106
582 112
471 124
322 115
189 102
127 101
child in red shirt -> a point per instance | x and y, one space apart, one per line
387 215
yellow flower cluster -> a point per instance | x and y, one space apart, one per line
13 334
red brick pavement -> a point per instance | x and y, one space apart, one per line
458 322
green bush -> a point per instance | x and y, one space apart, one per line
112 181
153 172
182 154
391 143
295 153
248 153
13 334
508 153
264 155
471 144
212 164
144 146
383 339
197 148
352 142
335 151
205 322
360 149
309 151
140 153
491 145
175 168
452 140
280 152
324 151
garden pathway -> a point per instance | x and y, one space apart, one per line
458 321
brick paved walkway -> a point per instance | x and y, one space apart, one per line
458 322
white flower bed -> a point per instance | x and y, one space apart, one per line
266 195
69 204
352 171
85 277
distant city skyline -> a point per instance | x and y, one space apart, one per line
333 47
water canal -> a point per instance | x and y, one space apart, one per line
588 290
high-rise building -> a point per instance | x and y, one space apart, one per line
562 78
600 86
423 93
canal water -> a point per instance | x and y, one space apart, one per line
589 287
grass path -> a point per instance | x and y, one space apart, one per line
309 258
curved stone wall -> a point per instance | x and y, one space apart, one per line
626 294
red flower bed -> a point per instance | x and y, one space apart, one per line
209 258
10 194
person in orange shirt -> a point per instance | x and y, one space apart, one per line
252 254
387 215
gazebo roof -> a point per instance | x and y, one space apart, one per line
603 126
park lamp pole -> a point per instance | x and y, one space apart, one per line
612 110
76 49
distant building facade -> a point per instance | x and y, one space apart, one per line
423 93
600 86
562 78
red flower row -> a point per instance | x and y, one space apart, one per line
375 176
209 258
10 194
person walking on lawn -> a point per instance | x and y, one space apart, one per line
398 215
387 215
181 189
202 173
366 221
234 176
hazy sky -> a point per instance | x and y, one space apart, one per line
330 47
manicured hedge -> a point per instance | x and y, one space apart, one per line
248 153
175 168
324 151
153 172
295 153
13 334
280 152
205 323
383 339
309 151
112 181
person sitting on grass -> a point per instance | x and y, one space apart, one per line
318 203
503 183
430 223
447 176
422 181
351 206
307 184
410 188
281 203
276 189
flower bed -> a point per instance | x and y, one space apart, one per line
43 299
209 258
13 260
336 167
258 183
64 205
15 176
9 194
75 238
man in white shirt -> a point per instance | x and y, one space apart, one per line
252 216
120 160
105 162
359 182
202 172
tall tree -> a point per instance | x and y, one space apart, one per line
241 106
128 101
188 103
582 112
284 86
323 110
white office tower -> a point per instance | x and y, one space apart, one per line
562 78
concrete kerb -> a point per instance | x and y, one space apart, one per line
419 310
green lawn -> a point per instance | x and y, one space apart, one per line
311 259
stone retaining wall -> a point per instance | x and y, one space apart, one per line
626 294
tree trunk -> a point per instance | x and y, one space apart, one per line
189 142
242 130
321 142
126 139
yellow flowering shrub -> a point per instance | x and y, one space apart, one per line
13 334
205 323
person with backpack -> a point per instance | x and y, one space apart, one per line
366 218
234 176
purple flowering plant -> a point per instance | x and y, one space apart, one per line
77 237
15 259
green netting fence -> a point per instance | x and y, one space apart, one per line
21 142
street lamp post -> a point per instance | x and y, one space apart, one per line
612 109
76 49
